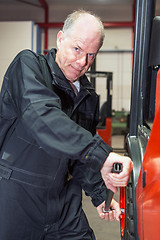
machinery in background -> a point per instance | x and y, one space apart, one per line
104 128
120 122
141 197
111 122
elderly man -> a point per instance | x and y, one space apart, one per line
48 117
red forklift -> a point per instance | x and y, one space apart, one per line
104 127
141 197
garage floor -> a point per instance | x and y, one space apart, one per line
104 230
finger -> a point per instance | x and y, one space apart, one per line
115 206
117 180
118 183
111 187
107 216
119 176
118 215
110 216
102 215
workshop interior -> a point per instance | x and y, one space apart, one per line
126 76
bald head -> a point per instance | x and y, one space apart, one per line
80 18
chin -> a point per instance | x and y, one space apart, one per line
72 77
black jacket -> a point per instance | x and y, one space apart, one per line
48 132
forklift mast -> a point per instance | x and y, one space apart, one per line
141 75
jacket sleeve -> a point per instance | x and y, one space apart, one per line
91 182
39 109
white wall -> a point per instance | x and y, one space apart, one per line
15 37
119 61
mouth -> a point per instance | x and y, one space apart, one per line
77 69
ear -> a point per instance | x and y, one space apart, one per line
59 38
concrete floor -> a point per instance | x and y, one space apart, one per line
104 230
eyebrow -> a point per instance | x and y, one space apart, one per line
79 46
83 50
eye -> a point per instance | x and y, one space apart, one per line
76 49
91 55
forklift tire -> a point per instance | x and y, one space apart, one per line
127 220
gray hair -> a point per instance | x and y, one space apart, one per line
73 17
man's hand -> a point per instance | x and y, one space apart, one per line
112 215
114 180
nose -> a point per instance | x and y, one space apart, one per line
82 60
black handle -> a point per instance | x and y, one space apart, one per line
117 168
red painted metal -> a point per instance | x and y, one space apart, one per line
51 25
118 24
133 20
157 105
105 24
148 194
122 205
43 4
106 133
45 7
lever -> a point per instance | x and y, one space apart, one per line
117 168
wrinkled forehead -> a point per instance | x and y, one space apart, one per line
88 24
87 31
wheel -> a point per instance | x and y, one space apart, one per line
127 219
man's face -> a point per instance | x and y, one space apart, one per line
77 49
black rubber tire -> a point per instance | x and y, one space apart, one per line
129 213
